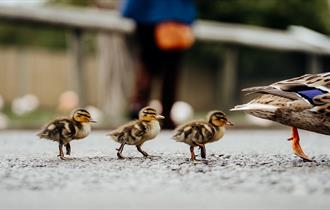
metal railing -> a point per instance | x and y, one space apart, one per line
79 20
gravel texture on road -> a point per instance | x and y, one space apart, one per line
246 169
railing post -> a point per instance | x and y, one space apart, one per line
313 65
24 80
77 50
115 75
226 82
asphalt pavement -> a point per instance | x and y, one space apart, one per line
247 169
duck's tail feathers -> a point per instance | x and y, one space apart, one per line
42 134
176 137
271 90
256 89
255 107
111 133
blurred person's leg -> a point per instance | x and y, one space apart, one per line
149 56
171 72
142 90
153 62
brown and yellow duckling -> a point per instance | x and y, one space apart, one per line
65 130
200 132
138 131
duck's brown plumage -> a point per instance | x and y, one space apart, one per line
301 102
283 102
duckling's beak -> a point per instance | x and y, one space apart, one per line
92 121
160 117
228 123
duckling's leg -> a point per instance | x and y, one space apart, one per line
297 150
60 148
120 150
203 151
68 149
142 152
193 156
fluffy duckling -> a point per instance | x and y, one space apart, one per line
138 131
301 102
200 132
65 130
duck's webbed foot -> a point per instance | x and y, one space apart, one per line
120 150
192 154
68 149
297 150
60 151
203 151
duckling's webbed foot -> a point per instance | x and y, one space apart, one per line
297 150
68 149
203 151
141 151
120 150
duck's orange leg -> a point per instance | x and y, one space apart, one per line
297 150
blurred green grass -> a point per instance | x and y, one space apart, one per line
30 120
37 118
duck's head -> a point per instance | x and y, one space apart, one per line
148 114
219 119
82 116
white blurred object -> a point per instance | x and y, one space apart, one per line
28 3
320 41
181 112
258 121
32 101
2 102
68 101
95 113
3 121
25 104
156 104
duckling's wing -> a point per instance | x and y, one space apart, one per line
123 128
139 129
58 129
203 133
133 130
198 132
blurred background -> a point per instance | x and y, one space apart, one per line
56 55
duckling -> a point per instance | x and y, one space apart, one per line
138 131
65 130
301 102
200 132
